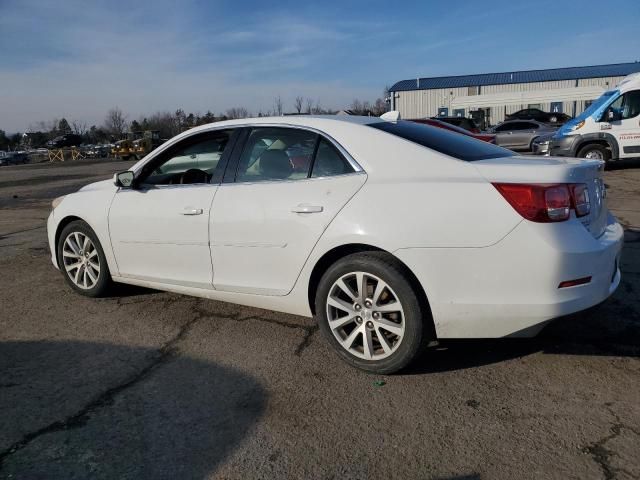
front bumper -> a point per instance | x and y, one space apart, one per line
511 288
541 148
564 146
51 237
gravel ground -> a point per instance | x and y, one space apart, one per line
155 385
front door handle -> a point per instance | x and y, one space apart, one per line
307 209
192 211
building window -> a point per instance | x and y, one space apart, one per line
556 107
443 112
458 112
535 105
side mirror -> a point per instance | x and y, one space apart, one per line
610 115
123 179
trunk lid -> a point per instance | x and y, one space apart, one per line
530 169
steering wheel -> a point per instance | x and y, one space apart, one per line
194 175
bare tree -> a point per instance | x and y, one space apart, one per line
318 110
79 127
309 102
297 104
356 107
115 122
380 107
237 112
277 106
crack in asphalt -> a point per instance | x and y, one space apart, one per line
309 330
602 455
161 356
5 235
306 341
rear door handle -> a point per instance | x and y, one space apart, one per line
192 211
307 209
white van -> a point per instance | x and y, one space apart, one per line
608 130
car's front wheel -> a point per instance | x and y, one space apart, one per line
370 312
82 261
594 151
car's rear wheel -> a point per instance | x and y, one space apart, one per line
82 261
594 152
371 314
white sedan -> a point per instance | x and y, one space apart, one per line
391 233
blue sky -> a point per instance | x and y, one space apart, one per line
77 58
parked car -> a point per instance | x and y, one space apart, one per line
539 115
13 158
519 134
68 140
399 233
608 129
462 122
541 144
485 137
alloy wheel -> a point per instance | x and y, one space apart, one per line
365 315
81 260
594 155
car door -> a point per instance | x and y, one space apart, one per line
626 127
504 134
266 220
160 228
522 135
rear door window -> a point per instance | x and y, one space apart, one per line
329 162
462 147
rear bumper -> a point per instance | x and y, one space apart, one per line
511 288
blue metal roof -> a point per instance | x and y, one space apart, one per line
526 76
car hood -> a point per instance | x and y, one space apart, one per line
101 185
544 138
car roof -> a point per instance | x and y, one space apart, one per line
297 120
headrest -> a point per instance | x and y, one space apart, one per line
275 164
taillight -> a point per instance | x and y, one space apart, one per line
580 197
546 203
558 202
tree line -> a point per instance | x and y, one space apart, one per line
116 123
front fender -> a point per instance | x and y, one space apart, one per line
92 207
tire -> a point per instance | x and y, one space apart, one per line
354 326
531 144
595 151
72 249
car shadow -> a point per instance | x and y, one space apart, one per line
589 333
123 290
94 410
623 164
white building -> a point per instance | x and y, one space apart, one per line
492 95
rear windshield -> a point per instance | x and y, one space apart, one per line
462 147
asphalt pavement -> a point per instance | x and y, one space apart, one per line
147 384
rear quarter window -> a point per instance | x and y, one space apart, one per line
462 147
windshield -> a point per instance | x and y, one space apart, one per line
595 110
599 105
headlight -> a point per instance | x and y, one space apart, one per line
56 201
578 125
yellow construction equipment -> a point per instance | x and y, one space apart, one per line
136 145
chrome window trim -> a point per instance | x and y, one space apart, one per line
290 180
354 164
